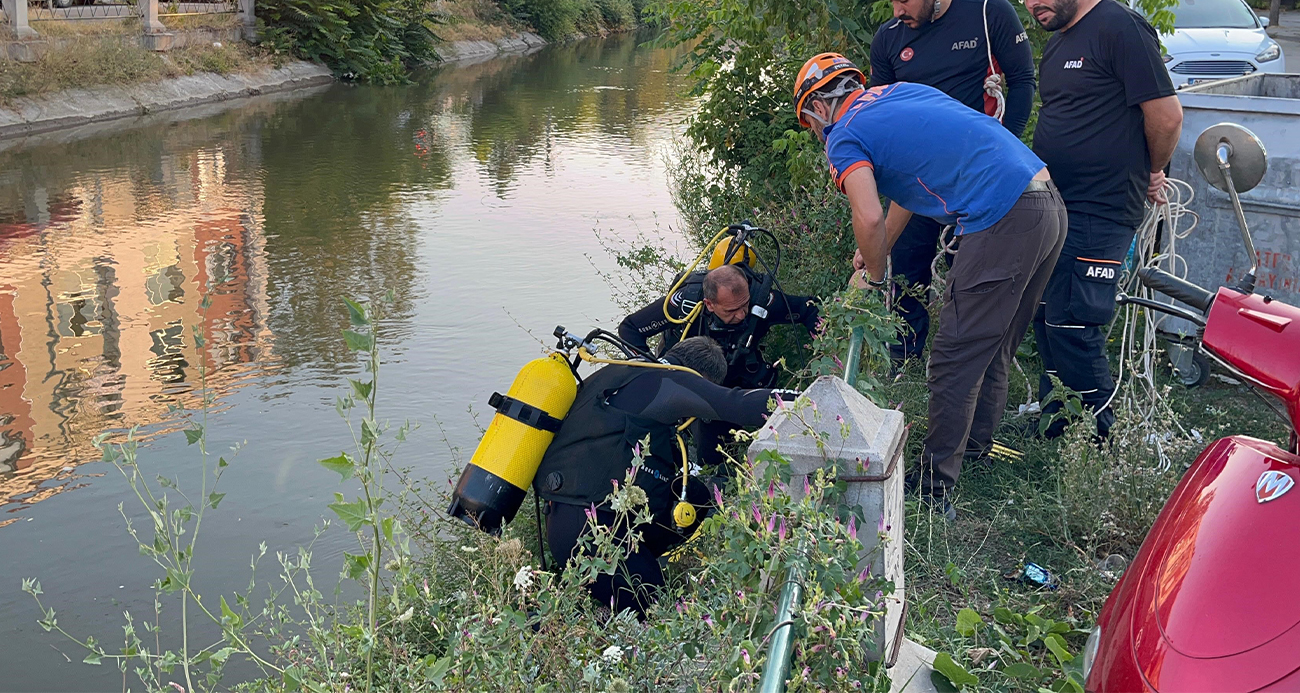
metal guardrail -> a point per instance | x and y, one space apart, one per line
55 10
781 642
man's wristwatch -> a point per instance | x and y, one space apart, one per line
872 282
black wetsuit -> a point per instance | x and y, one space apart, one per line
750 369
617 408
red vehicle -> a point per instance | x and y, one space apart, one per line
1209 604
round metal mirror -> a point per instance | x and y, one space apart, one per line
1245 153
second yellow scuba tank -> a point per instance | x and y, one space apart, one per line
732 252
496 480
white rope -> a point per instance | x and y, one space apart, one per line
1140 351
993 83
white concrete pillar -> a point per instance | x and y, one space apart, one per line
149 17
16 11
865 445
248 20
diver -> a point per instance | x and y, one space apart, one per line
737 313
617 408
734 314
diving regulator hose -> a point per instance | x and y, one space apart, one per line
684 514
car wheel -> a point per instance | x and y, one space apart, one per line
64 4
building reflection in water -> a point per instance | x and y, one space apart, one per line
102 287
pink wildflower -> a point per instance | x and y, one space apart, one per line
853 526
780 535
758 515
771 523
771 489
717 495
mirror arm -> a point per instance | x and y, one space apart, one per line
1247 283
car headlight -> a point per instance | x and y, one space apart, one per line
1271 52
1090 651
1166 57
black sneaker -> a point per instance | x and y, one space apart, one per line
939 506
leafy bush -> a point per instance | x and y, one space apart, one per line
369 40
1013 650
557 20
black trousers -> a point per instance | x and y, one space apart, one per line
1078 302
912 257
993 290
635 584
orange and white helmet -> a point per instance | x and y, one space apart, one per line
816 73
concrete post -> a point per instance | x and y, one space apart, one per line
865 444
156 37
16 11
248 20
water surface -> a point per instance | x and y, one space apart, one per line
475 195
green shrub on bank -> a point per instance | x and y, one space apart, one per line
368 40
556 20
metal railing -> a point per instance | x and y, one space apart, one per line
781 642
54 10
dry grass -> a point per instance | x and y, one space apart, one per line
94 62
57 28
473 20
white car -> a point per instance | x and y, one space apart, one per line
1217 39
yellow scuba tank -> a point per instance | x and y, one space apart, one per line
743 255
497 478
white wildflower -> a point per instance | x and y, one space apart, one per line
629 499
612 654
406 615
524 578
469 549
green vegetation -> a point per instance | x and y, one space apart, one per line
369 40
380 41
93 61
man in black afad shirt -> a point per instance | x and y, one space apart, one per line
943 44
1106 130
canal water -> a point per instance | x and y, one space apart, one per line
484 197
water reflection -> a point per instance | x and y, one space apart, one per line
102 276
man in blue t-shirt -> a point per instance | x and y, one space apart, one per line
931 155
1107 128
953 46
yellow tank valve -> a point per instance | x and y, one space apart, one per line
684 514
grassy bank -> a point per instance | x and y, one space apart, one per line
97 60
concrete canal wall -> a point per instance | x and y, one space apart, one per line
77 107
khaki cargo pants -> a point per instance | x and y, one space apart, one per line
993 290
